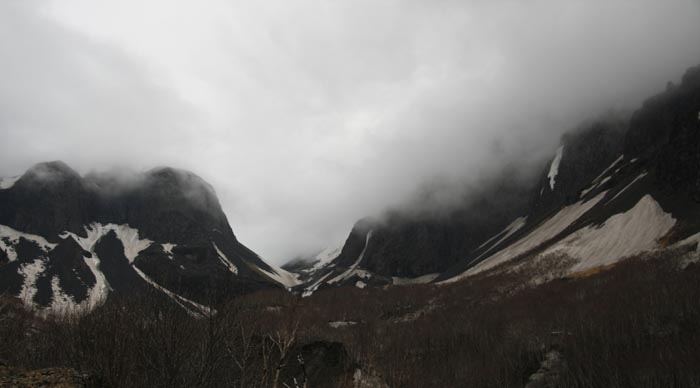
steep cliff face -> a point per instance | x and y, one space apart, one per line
614 188
68 241
582 155
402 247
666 130
618 194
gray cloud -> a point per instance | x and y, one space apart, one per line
306 116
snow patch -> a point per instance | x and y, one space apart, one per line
694 239
9 238
133 245
168 249
314 287
6 183
507 232
554 167
31 272
98 293
594 186
281 276
360 284
325 257
642 175
128 236
225 261
622 235
615 163
349 272
61 303
543 233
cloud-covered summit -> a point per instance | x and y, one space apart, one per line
306 116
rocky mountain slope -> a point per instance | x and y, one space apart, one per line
613 189
68 241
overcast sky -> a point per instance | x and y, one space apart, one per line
307 115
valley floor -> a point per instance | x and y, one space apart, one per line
636 324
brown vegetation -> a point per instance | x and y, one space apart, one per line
634 325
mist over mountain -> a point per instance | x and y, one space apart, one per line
71 242
309 120
349 194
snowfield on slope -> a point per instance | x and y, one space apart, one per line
31 272
325 258
9 238
129 238
622 235
544 232
279 275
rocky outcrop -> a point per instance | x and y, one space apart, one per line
583 154
666 130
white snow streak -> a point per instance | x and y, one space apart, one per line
350 270
694 239
61 303
193 308
98 293
602 174
314 287
9 238
127 235
642 175
281 276
129 238
168 249
594 186
509 231
224 260
554 167
31 273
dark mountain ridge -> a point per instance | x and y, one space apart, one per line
64 235
602 169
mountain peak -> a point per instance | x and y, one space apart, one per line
52 172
